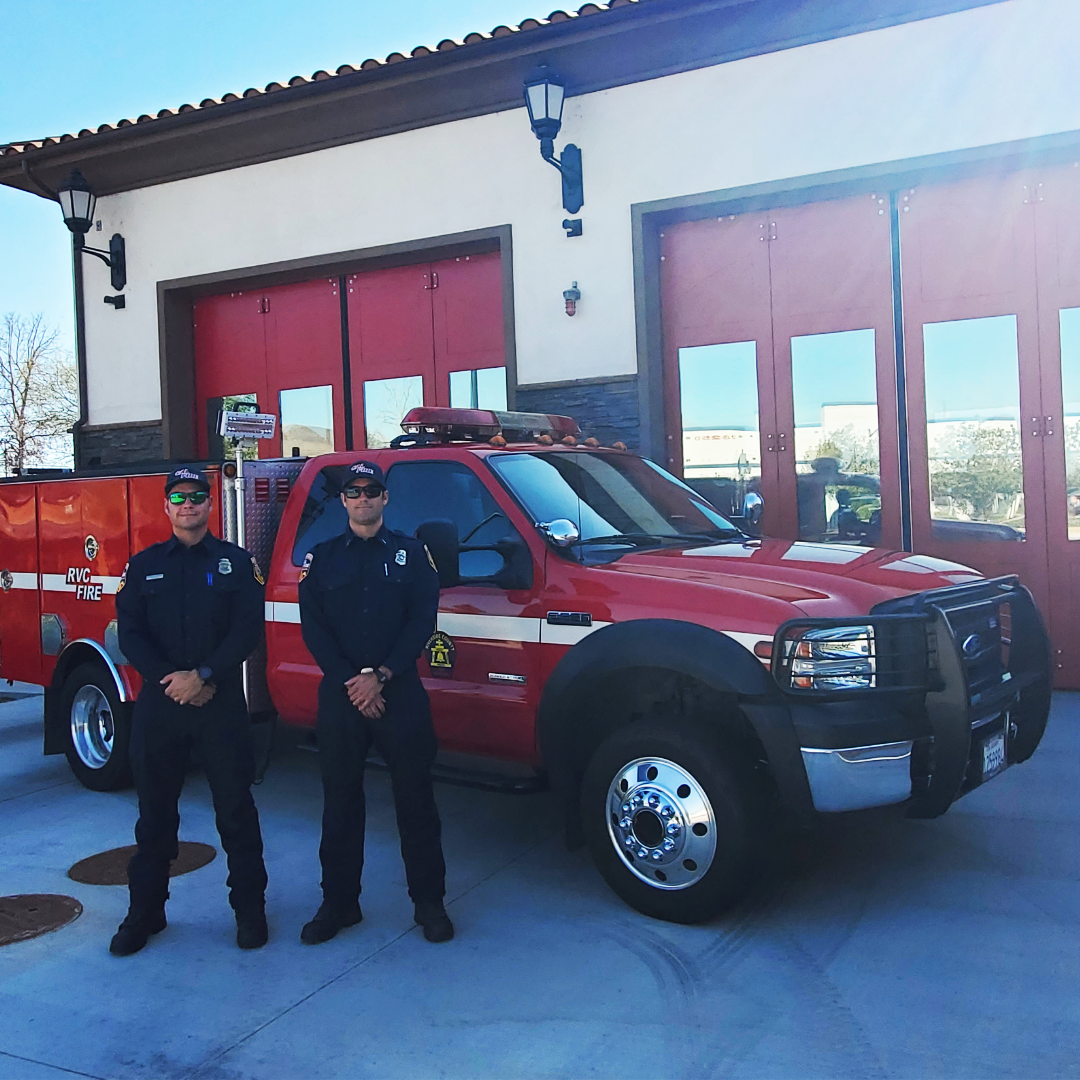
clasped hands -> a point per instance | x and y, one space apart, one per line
187 688
365 693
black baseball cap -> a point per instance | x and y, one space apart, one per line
186 474
362 472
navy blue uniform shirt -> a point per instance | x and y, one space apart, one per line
368 603
180 608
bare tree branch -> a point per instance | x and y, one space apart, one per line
39 396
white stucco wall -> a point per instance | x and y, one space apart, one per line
980 77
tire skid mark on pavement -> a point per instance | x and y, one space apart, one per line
837 1017
674 970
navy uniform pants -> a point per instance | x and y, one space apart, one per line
405 740
163 735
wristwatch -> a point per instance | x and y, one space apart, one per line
205 673
382 676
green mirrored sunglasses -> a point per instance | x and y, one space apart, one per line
178 498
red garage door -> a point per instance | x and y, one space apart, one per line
424 334
780 374
779 366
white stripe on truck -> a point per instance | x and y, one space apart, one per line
20 580
504 627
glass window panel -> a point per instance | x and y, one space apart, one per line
386 401
1070 393
721 432
837 462
429 491
973 429
482 388
307 421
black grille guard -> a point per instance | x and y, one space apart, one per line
989 663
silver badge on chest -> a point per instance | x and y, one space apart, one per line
400 557
224 566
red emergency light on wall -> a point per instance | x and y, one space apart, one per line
479 425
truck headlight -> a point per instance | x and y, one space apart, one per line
831 658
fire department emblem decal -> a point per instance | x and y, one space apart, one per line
91 547
224 566
6 580
440 652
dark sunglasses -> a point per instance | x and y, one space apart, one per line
197 498
372 491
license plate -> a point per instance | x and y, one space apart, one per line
993 755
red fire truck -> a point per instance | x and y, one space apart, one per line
600 625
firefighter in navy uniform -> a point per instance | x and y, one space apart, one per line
190 612
368 602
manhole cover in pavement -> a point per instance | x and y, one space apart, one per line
24 917
110 867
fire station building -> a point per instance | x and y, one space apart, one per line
828 251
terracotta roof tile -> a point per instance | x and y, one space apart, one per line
420 53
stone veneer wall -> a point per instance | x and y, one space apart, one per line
606 409
121 444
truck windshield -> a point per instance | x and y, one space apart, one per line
617 501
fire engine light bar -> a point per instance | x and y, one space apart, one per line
476 424
245 425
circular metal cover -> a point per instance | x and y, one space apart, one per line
28 916
110 867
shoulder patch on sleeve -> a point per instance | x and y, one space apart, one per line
256 571
430 559
308 559
123 578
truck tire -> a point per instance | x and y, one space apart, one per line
98 729
675 817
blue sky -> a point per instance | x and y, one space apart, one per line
82 63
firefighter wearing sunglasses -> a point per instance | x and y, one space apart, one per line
190 612
368 602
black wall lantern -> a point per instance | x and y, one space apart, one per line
544 96
77 201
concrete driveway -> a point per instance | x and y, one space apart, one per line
933 949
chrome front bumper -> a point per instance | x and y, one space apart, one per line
858 777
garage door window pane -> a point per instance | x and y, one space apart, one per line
386 401
1070 392
718 390
482 388
838 471
307 421
973 429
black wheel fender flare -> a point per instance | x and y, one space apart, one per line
683 648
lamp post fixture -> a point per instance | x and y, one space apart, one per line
545 93
77 202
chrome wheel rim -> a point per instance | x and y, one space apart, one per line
92 727
661 823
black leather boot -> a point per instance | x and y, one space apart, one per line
136 930
436 923
328 921
251 929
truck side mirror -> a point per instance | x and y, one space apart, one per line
441 538
753 505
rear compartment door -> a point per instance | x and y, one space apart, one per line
83 528
20 640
